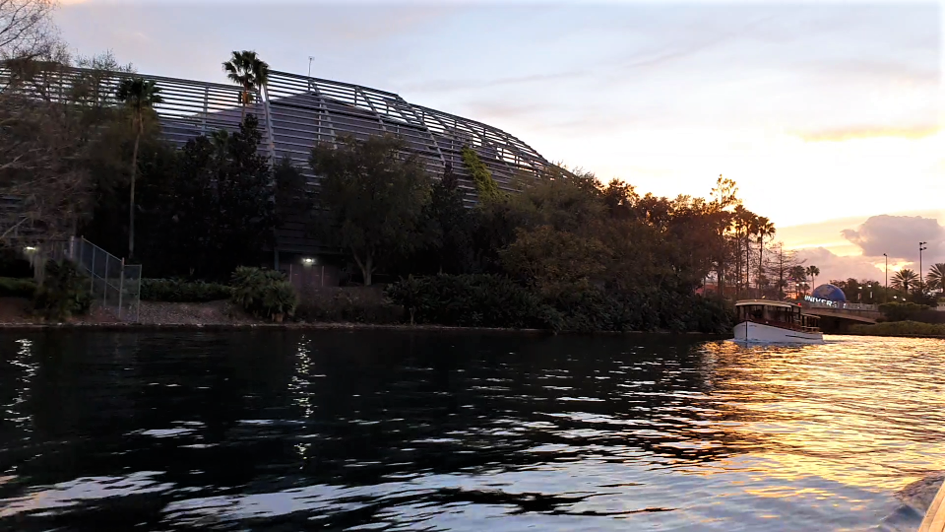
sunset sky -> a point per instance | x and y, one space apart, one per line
827 116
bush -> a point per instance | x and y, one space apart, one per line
25 288
899 328
264 293
896 311
350 304
64 292
473 301
178 291
13 265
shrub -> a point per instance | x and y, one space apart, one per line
350 304
263 293
64 292
178 291
13 265
896 311
17 287
900 328
473 301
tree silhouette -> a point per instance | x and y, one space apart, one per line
905 280
249 72
138 96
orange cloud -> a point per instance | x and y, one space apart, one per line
868 132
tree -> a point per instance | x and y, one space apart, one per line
372 194
294 198
723 200
905 280
486 186
936 277
40 147
798 275
246 200
26 29
764 229
555 260
780 269
138 96
812 272
249 72
447 226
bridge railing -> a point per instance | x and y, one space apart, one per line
838 305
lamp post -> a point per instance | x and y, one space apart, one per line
921 277
886 271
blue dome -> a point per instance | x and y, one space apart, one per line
828 292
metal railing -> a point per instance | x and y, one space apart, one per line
838 305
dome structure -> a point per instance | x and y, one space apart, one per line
829 292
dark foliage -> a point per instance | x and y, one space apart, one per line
472 301
181 291
896 311
264 293
348 305
12 265
17 287
64 292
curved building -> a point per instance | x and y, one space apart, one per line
296 112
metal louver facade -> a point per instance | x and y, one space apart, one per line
295 112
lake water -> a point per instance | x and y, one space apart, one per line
284 431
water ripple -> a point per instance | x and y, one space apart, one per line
397 431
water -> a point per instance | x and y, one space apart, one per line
280 431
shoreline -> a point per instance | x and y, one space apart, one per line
318 326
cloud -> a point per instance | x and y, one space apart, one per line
836 267
898 236
867 132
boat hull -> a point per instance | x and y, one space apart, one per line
750 332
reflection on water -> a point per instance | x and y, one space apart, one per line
399 431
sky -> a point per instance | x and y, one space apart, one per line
827 115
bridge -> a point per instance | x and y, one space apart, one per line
838 316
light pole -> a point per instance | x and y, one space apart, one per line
309 80
886 271
921 277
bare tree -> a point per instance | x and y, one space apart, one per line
44 187
26 28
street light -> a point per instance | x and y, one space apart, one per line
921 278
886 271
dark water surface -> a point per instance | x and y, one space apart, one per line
281 431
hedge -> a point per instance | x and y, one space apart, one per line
178 291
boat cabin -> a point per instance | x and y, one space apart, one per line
776 313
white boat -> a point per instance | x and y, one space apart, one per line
775 322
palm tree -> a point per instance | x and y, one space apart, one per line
936 277
798 275
764 228
812 272
751 227
905 280
249 72
138 96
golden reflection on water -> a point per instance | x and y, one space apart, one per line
863 412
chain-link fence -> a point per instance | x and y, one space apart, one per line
114 285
